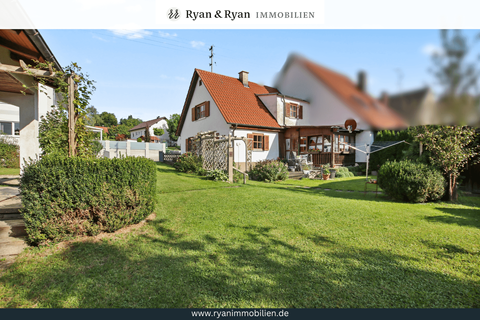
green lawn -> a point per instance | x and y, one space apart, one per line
351 184
9 171
217 245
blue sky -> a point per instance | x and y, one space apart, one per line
146 73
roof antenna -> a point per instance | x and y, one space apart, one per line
211 58
400 78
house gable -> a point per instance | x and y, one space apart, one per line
328 91
237 104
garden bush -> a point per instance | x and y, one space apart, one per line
190 163
217 175
63 197
343 172
411 181
9 155
269 170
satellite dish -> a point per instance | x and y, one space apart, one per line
350 125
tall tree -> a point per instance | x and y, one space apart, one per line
147 133
172 126
457 74
130 122
108 119
453 146
93 117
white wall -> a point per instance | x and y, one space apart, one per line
325 107
31 108
362 139
215 121
9 113
275 103
162 124
239 147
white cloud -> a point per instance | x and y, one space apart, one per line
99 38
431 49
166 34
197 44
134 8
180 78
85 5
163 76
130 31
88 61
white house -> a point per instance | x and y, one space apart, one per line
159 123
26 45
230 106
306 113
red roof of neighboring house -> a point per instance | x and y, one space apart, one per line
105 129
152 138
149 123
369 109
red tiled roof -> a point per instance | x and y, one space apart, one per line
237 103
105 129
369 109
149 122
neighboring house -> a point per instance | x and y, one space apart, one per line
22 112
417 107
104 129
159 123
306 111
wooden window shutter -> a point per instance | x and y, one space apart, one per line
266 145
186 145
193 114
250 136
207 108
300 112
287 110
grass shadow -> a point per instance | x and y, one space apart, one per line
458 216
162 268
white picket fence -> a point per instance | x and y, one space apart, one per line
116 149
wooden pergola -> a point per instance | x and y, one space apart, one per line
23 69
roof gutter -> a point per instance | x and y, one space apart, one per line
252 126
38 41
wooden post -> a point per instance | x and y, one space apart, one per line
71 117
230 159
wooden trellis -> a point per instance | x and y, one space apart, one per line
217 151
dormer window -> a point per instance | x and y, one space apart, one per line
294 111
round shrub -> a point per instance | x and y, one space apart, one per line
190 163
217 175
411 181
269 171
340 174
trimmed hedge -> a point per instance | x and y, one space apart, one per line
190 163
63 197
269 171
9 155
411 181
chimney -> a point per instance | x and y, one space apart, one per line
384 98
243 77
362 81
